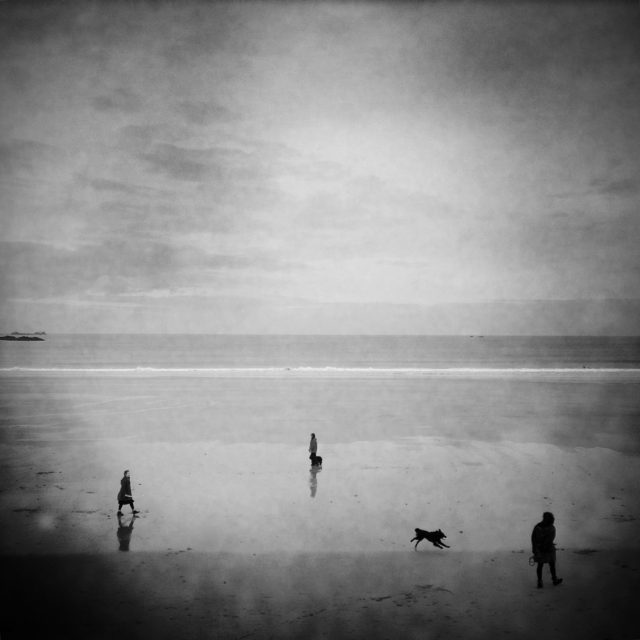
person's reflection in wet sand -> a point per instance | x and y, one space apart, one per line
313 480
125 530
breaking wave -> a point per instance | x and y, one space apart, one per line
373 372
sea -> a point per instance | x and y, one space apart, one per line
216 353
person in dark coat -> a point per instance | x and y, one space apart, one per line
543 547
124 495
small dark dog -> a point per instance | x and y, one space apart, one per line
435 537
316 461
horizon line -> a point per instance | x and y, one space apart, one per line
325 335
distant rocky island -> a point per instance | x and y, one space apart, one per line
25 337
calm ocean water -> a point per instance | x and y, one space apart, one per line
376 352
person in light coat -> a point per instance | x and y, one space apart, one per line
313 448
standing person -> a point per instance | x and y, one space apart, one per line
313 448
124 495
543 547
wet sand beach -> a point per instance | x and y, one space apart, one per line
426 594
237 537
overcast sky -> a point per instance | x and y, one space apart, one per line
314 167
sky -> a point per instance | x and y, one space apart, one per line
326 167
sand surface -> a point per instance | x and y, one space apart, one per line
237 537
426 594
369 496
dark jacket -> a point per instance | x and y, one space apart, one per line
125 489
542 545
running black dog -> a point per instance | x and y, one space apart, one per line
435 537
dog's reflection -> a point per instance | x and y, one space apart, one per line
313 480
125 531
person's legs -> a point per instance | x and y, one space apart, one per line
130 503
554 577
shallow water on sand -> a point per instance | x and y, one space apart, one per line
220 464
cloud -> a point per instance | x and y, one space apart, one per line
85 29
21 24
135 137
620 187
121 99
605 186
37 269
208 30
506 52
75 302
134 219
17 78
18 156
260 261
127 266
30 269
203 113
121 188
192 165
198 165
372 210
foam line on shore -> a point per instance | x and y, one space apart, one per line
631 374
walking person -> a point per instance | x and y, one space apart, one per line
543 547
124 495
